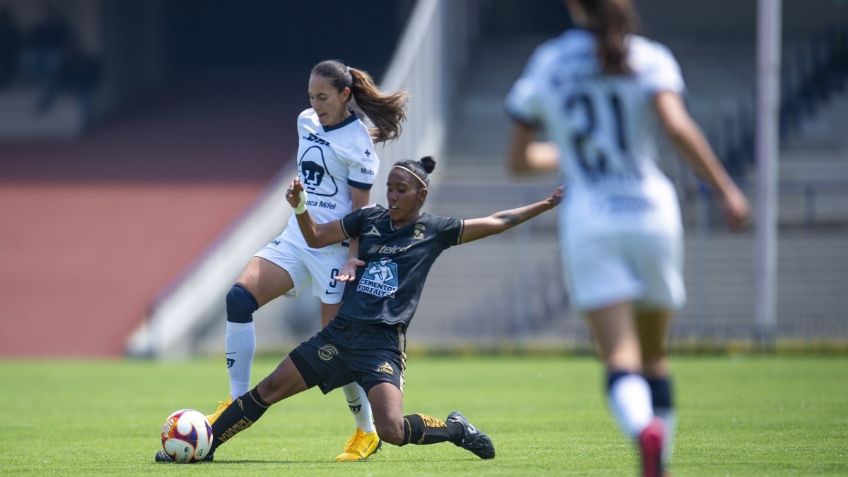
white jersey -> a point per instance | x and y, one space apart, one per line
620 221
331 160
605 128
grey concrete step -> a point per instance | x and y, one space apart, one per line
20 119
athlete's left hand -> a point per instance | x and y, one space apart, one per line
348 271
293 192
556 196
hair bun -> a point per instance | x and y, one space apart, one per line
427 163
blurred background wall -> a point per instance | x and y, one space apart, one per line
174 124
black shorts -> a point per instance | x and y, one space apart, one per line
349 351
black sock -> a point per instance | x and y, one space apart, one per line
662 396
241 414
422 429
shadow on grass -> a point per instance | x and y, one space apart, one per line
316 461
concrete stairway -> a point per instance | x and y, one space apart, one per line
509 288
19 119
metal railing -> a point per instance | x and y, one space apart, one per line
427 63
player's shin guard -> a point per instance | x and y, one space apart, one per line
240 338
662 399
241 414
423 429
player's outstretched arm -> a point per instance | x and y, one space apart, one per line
526 155
498 222
316 235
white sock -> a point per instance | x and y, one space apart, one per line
630 400
357 400
669 423
240 347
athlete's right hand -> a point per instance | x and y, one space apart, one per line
736 209
293 192
348 271
556 196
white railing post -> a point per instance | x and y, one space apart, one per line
768 105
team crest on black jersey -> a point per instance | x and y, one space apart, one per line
313 169
419 232
380 278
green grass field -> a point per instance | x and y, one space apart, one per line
744 416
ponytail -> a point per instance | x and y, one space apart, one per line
611 21
385 111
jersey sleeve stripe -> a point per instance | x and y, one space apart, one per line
359 185
344 230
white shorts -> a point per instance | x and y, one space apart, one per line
636 266
308 266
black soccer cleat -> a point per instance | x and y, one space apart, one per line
163 456
473 440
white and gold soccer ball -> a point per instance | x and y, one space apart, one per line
186 436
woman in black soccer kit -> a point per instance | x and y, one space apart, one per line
365 342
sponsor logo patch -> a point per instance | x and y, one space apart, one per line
389 249
327 352
386 369
380 278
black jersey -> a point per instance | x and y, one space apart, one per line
397 261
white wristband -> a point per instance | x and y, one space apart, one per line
301 205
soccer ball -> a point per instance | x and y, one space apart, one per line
186 436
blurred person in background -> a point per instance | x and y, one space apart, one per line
10 45
366 341
78 75
601 93
45 43
337 164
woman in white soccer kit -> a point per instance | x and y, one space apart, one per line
602 93
337 164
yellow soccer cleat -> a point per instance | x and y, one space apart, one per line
222 405
361 445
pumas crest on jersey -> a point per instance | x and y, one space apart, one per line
313 171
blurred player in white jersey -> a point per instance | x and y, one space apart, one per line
337 164
602 94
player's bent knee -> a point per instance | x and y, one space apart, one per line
391 432
240 305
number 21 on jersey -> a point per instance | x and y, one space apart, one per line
599 135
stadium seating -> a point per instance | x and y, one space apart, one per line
522 303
